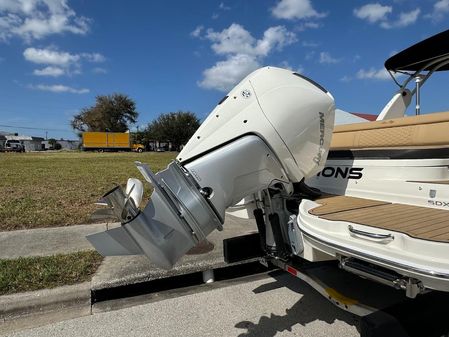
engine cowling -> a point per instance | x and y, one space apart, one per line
274 127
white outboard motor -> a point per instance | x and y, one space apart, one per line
273 128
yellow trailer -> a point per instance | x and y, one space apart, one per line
107 141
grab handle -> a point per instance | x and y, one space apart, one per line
375 236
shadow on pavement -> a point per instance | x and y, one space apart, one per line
310 307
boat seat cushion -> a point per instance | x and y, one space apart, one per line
416 131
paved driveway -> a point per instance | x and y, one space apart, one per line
279 306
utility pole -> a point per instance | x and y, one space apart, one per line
46 134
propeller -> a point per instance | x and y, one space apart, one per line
122 206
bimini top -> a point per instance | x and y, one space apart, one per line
420 55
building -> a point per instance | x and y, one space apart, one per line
3 135
29 142
156 145
65 144
69 144
32 143
2 141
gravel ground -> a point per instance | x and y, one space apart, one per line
280 306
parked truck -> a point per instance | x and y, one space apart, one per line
109 141
12 145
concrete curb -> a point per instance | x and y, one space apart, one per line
44 306
25 310
37 308
48 241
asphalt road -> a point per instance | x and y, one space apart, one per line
272 306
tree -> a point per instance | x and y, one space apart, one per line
113 113
138 137
176 127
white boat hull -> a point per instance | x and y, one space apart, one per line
411 182
427 261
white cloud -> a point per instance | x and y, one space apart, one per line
310 55
308 25
98 70
232 40
223 7
49 71
442 5
274 38
11 5
393 52
243 53
50 56
299 69
93 57
237 40
405 19
310 44
372 73
36 19
59 62
373 12
376 13
225 74
197 31
440 9
59 88
326 58
295 9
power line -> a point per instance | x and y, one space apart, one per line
33 128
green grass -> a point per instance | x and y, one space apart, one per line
60 188
33 273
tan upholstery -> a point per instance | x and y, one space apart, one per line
416 131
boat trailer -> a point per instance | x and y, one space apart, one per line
382 310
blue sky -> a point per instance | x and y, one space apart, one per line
57 55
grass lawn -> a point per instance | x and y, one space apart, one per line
33 273
60 188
